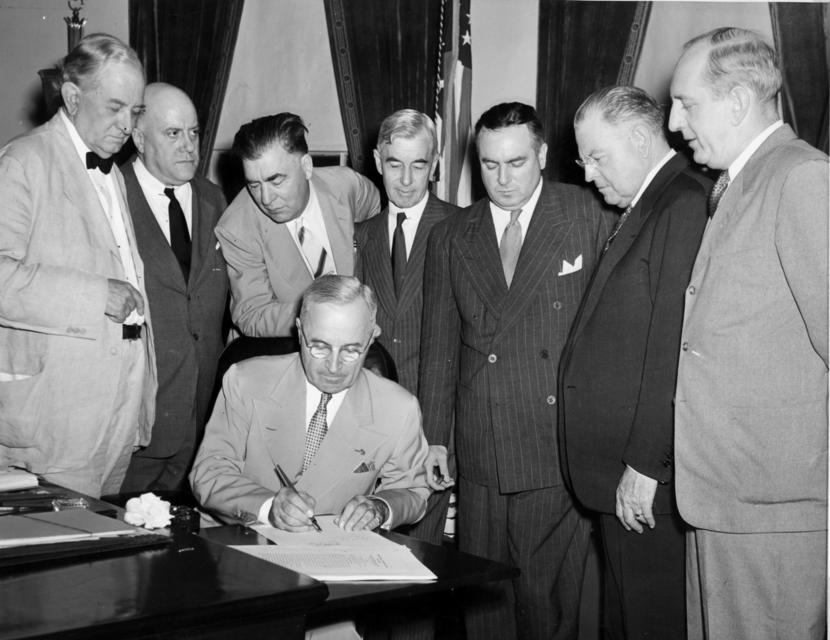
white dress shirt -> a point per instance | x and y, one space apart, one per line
159 203
501 217
312 219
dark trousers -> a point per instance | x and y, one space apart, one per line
645 580
542 533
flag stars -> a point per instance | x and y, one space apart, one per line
465 39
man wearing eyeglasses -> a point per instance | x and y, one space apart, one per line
349 440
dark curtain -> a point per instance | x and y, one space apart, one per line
583 46
385 55
189 44
801 38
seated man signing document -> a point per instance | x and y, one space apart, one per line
350 441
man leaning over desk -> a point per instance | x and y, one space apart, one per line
335 428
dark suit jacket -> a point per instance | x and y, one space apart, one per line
399 319
489 355
618 368
187 317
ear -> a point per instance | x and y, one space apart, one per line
138 140
542 155
375 332
740 99
432 168
71 94
378 161
641 137
307 165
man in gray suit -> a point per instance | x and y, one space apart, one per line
502 282
751 400
291 225
174 213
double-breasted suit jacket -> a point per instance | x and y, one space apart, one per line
187 316
618 369
398 317
266 269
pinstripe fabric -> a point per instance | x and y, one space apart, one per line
489 358
399 320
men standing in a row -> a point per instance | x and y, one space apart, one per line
174 212
617 371
392 249
291 225
751 407
77 370
502 282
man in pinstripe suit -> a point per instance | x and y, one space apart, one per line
502 282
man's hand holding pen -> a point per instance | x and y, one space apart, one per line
292 510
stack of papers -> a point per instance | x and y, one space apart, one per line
59 526
337 555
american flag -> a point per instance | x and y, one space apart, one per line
452 104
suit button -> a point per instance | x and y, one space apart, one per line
113 351
195 336
692 290
492 358
396 340
685 346
551 400
544 354
557 305
188 297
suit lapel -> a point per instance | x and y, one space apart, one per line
413 276
379 262
203 220
339 223
479 253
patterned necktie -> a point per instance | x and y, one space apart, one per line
315 252
179 237
617 227
398 254
510 246
317 429
717 192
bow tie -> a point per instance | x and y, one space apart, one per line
94 161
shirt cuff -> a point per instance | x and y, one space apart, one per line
388 522
264 510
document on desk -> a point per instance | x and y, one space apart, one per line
59 526
336 555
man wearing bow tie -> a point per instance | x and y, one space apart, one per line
77 370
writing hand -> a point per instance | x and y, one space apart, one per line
635 497
292 510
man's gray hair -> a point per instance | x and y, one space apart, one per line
92 53
621 104
338 290
739 57
407 123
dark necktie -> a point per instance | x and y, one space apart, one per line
317 429
315 252
510 246
617 227
94 161
179 237
398 254
717 192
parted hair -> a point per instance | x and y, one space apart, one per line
508 114
338 290
739 57
622 103
407 123
92 53
256 137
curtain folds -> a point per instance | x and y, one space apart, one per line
583 46
385 58
189 44
801 38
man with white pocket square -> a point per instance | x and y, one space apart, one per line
503 280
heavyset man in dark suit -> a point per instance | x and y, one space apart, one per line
292 224
391 250
174 213
77 370
617 371
751 407
502 282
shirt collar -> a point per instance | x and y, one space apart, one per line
527 209
752 147
142 173
77 141
650 176
413 213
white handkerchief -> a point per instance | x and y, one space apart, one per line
568 268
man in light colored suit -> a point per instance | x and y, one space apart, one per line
502 282
292 224
174 212
617 371
391 249
77 370
350 439
751 400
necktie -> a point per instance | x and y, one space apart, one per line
717 191
617 227
94 161
317 429
179 237
510 246
314 252
398 254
